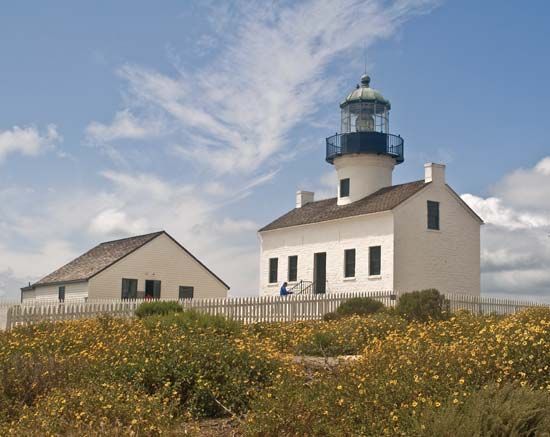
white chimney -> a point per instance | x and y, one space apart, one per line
434 173
304 197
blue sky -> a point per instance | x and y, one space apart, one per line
204 118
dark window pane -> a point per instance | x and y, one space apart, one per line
186 292
273 267
152 289
61 293
375 260
292 268
129 288
349 266
433 215
344 187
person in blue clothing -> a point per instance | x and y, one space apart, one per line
283 291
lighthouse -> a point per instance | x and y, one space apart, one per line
373 235
364 153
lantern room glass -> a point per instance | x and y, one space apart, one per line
365 117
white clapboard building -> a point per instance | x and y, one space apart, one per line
152 266
374 235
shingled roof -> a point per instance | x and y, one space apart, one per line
96 259
384 199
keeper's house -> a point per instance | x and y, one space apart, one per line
147 266
374 235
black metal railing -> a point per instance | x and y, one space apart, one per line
302 287
365 142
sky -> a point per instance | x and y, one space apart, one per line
204 118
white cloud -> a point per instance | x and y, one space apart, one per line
235 114
125 125
114 221
328 185
493 211
515 251
27 265
28 141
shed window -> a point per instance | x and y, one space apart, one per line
273 268
344 187
186 292
292 268
375 260
433 215
129 288
152 289
61 293
349 263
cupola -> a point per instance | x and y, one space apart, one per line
364 153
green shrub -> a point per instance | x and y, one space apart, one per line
95 410
509 410
423 305
321 344
343 336
330 316
193 319
147 309
359 306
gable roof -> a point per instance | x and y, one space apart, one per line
385 199
103 256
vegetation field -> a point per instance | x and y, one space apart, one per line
464 375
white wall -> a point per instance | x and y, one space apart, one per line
160 259
333 238
73 291
367 173
448 259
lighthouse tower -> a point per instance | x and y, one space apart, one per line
364 153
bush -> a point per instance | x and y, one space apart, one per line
147 309
95 409
359 306
409 374
509 410
193 319
330 316
346 336
423 305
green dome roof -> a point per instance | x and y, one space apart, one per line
363 93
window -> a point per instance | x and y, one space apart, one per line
186 292
61 293
433 215
292 268
129 289
344 187
349 263
152 289
375 261
273 267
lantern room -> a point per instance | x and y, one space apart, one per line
365 126
365 110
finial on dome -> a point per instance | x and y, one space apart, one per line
365 80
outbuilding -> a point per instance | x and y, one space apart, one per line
146 266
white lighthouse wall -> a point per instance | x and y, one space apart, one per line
448 259
367 173
332 237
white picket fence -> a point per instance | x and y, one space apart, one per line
245 309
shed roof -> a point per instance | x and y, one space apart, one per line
385 199
102 256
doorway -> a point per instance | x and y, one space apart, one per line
152 289
320 272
